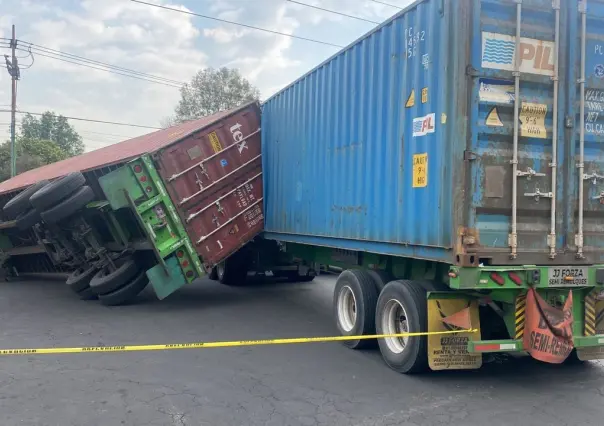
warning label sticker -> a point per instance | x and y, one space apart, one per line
451 352
424 95
215 142
420 170
493 119
410 99
532 119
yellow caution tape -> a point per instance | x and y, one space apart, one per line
202 345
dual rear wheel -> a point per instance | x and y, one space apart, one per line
365 305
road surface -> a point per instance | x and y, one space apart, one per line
311 384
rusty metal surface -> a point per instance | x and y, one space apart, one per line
214 178
110 155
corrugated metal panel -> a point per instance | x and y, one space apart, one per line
116 153
339 144
215 180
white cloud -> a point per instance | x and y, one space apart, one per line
169 44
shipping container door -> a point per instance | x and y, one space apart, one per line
585 133
516 121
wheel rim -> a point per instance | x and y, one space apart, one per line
347 309
220 270
394 321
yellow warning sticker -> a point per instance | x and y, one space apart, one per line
420 170
493 119
216 145
424 95
411 99
443 118
451 353
532 117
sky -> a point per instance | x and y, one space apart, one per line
168 44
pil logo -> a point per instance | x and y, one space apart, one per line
423 125
538 56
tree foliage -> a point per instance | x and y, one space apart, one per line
55 128
211 91
31 153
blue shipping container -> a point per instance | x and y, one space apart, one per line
442 135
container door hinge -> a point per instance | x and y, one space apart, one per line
538 194
529 173
469 155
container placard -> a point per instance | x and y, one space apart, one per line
532 117
420 170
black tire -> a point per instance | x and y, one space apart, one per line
213 275
233 270
413 357
354 301
69 206
79 279
87 294
57 190
127 293
28 219
20 203
380 279
106 281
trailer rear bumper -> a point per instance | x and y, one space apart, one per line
512 345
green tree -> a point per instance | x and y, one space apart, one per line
31 153
212 91
55 128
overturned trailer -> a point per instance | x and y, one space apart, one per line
167 207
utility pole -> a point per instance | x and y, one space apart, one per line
12 67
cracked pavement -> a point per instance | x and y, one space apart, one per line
309 384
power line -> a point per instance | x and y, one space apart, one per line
90 120
333 11
104 69
387 4
237 23
72 56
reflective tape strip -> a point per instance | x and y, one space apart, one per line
203 345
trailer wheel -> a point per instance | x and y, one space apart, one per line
28 219
87 294
106 281
233 270
79 280
402 307
69 206
20 203
57 190
213 275
127 293
355 298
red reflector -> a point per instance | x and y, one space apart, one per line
148 189
497 278
180 253
452 274
515 278
143 178
482 348
185 263
138 169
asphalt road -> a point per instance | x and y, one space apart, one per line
311 384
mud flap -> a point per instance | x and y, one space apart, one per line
164 283
594 352
448 312
548 335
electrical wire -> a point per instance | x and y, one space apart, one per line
387 4
106 70
237 23
89 120
48 50
333 11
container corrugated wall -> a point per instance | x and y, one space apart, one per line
339 145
